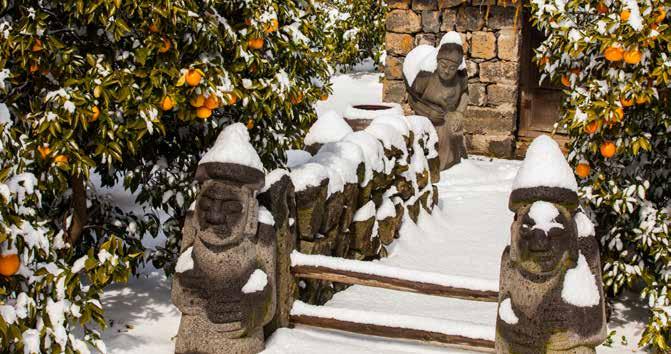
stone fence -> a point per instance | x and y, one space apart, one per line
349 199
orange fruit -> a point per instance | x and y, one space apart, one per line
642 100
632 56
324 97
37 46
543 61
566 81
167 103
250 124
44 151
166 46
582 170
203 113
212 102
627 102
591 127
661 14
9 264
193 77
248 21
272 26
153 28
616 115
614 53
34 68
607 149
255 43
624 15
232 99
95 115
575 71
61 160
602 8
296 99
197 101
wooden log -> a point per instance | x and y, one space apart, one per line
378 281
395 332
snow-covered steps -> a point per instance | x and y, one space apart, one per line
461 334
378 275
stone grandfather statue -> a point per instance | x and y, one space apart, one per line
551 296
437 88
225 278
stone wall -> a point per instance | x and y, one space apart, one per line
492 46
349 199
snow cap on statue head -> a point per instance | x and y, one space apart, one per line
545 175
232 158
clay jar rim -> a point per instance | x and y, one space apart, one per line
371 107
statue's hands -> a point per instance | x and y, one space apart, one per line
256 306
186 294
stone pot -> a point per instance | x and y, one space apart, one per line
360 116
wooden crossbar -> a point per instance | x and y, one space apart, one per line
395 332
386 282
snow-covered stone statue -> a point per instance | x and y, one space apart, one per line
225 277
437 87
551 296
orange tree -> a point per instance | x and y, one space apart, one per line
613 57
132 90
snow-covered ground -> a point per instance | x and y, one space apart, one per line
465 236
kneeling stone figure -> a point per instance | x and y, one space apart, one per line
551 296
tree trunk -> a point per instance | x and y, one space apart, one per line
79 210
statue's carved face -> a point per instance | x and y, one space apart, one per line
544 239
447 69
225 213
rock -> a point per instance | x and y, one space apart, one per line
499 94
483 45
449 22
501 17
398 4
400 212
350 204
497 145
310 210
393 90
477 94
472 69
393 68
425 39
422 179
444 4
434 169
404 187
427 201
313 148
419 5
501 72
387 229
436 196
333 209
490 119
413 210
361 235
509 44
403 21
398 43
470 19
431 21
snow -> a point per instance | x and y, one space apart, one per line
308 175
4 115
356 113
545 165
425 57
185 261
465 329
346 169
585 225
265 217
544 215
365 212
376 268
396 121
257 282
273 177
352 153
232 146
386 133
8 313
635 20
297 157
31 341
579 288
330 127
386 210
373 151
424 129
506 312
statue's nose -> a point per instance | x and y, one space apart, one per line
539 241
215 215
